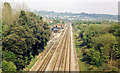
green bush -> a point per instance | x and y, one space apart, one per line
8 66
9 56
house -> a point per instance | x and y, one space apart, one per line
58 26
62 26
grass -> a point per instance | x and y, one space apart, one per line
0 70
32 62
83 66
0 22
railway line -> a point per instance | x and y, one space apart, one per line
58 58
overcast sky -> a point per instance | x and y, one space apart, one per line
88 6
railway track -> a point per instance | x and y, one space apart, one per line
62 56
58 57
47 58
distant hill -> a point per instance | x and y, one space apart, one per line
76 16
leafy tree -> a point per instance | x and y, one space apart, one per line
95 57
6 18
24 38
104 45
23 19
41 18
7 14
9 56
102 42
8 66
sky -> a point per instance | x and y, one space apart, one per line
75 6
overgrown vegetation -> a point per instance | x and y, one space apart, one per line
24 36
99 43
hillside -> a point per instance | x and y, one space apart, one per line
76 16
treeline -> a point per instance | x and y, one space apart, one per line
93 22
100 44
24 36
55 22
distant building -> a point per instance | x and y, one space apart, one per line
62 26
57 28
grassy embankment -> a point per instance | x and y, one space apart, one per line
32 62
82 65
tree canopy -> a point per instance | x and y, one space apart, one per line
100 43
22 38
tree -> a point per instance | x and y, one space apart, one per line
7 13
95 57
41 18
9 56
24 38
8 66
23 19
102 43
105 45
6 18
